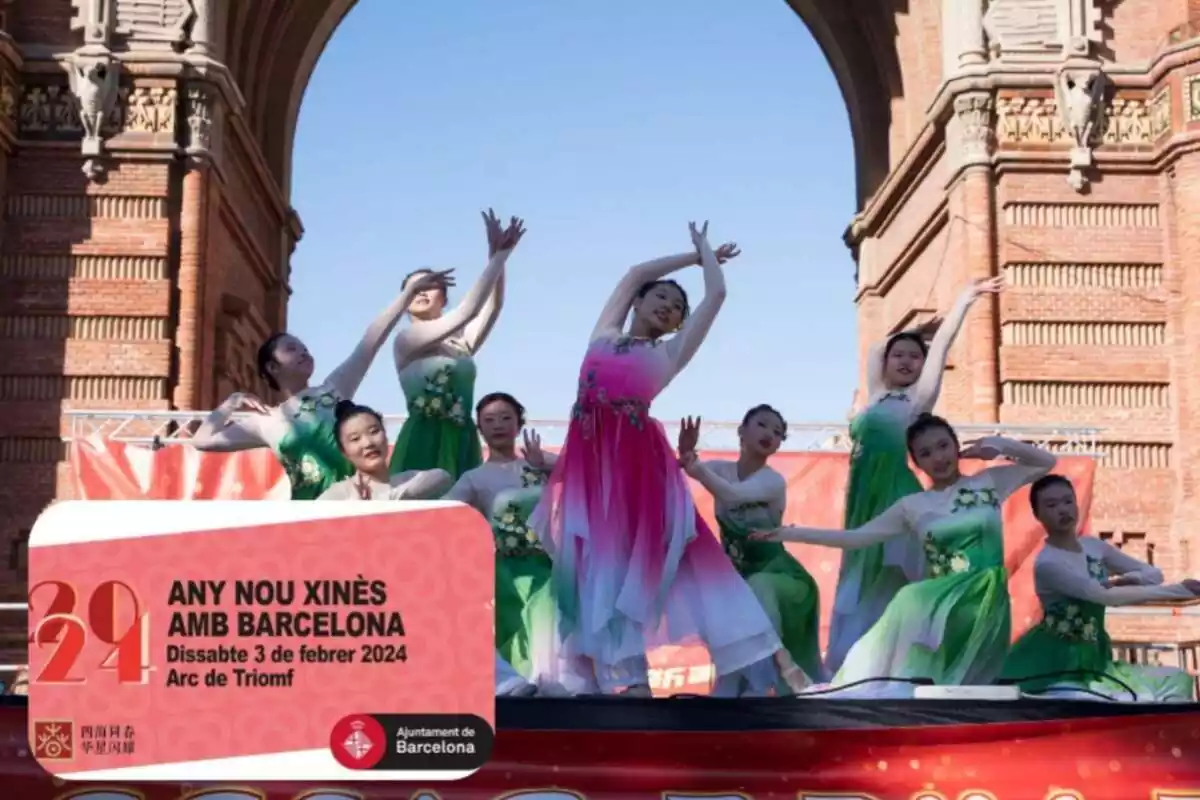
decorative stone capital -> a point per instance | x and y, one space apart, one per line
975 116
198 113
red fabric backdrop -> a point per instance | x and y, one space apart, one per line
108 470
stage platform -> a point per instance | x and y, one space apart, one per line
713 715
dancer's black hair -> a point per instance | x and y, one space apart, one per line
347 410
503 397
266 354
905 336
769 408
928 422
1045 482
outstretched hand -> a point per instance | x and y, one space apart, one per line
429 281
240 401
532 451
727 252
501 239
689 435
987 286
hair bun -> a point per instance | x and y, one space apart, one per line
344 409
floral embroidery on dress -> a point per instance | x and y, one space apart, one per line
589 396
895 394
306 471
736 551
514 537
311 403
966 499
1096 568
531 477
1067 621
624 344
943 560
438 400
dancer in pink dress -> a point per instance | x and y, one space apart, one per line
635 566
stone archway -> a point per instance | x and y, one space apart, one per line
147 283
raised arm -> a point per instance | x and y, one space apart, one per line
425 485
350 373
1131 572
1051 575
929 385
418 337
888 525
221 433
1028 462
480 327
764 486
683 345
616 310
875 384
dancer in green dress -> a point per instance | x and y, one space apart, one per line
436 367
953 626
904 379
1077 578
362 438
505 489
301 429
748 495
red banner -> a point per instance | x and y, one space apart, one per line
108 470
1150 757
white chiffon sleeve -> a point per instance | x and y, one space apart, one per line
1051 575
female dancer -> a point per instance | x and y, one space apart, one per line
505 489
904 378
361 435
633 563
435 363
953 626
362 438
1077 578
300 429
748 495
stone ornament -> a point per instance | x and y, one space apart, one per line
976 125
1042 30
95 82
199 119
163 22
1080 98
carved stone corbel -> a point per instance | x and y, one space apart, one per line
95 82
976 114
1079 94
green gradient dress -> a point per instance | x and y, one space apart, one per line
1072 637
786 590
879 476
439 432
506 494
301 431
954 626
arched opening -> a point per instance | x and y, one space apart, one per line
801 179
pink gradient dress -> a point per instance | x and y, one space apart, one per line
635 566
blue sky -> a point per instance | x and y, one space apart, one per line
607 126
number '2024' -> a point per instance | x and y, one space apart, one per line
65 628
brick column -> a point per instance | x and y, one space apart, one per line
193 240
1181 207
971 199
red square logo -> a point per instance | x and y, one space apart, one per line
53 740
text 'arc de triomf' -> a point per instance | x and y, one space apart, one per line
146 157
